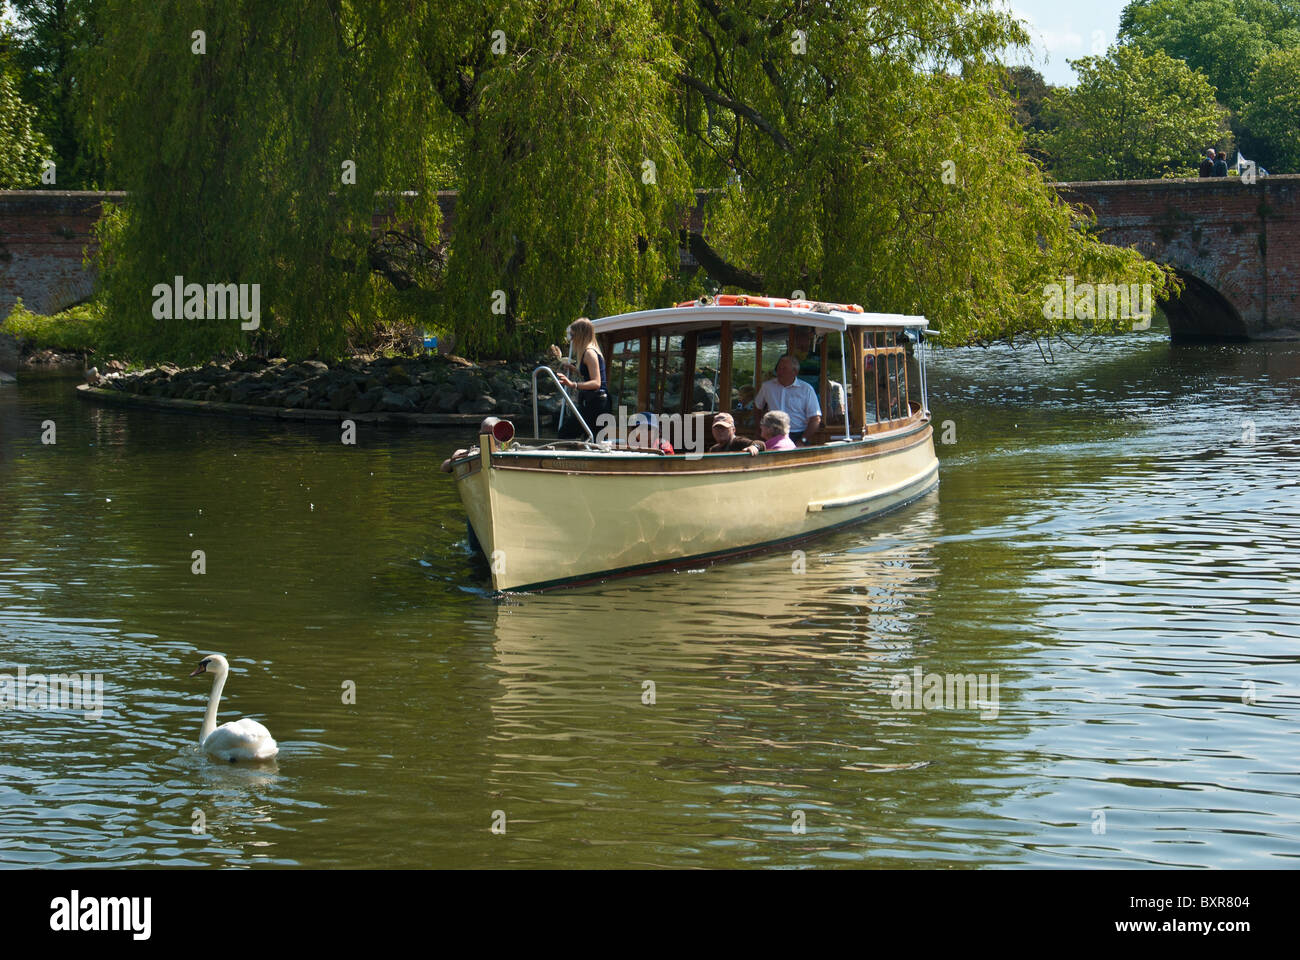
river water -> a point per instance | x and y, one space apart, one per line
1114 541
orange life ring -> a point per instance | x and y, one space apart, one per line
744 300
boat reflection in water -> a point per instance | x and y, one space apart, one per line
754 631
664 715
858 587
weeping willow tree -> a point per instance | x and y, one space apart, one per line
867 153
257 139
854 151
572 177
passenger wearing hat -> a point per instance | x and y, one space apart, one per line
643 434
724 432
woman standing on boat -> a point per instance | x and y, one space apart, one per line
593 382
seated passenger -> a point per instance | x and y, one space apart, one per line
776 431
786 392
643 434
724 432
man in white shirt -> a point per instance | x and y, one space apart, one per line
792 396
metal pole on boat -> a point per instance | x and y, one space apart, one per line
844 372
925 383
559 424
591 437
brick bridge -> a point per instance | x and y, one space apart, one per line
1236 246
43 234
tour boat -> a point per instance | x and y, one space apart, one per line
550 513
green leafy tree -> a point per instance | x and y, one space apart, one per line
571 177
1131 116
1027 90
232 164
1225 41
258 140
854 151
52 38
22 148
1270 120
868 153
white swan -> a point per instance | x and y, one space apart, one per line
241 740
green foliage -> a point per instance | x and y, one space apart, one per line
1027 90
872 156
1225 41
883 166
1271 119
572 178
1131 116
22 148
77 328
234 160
52 38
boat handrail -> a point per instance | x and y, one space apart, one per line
591 437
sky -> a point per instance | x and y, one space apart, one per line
1062 30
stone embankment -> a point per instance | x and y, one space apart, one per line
423 390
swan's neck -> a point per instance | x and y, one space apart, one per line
210 718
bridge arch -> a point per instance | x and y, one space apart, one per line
1202 312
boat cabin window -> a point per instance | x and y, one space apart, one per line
886 368
667 369
624 358
708 373
753 356
697 372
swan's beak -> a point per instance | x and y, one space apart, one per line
202 668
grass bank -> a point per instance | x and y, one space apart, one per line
78 329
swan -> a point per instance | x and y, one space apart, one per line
240 740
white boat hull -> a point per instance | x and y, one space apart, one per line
552 518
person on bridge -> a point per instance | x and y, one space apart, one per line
1221 165
1207 164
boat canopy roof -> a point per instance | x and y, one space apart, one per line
703 316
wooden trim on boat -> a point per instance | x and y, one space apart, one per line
724 367
690 342
899 437
643 372
859 414
542 461
824 380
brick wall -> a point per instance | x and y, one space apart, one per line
43 234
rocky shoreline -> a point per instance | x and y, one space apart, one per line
52 360
429 384
18 354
